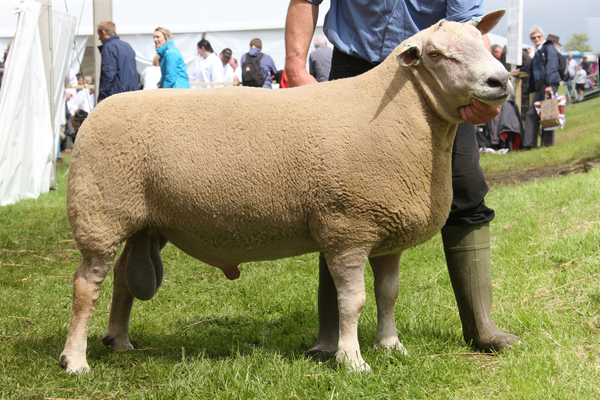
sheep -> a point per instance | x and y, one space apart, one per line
233 175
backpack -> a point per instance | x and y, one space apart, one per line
563 68
251 73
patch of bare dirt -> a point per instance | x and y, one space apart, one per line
512 177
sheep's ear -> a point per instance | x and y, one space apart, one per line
410 55
486 23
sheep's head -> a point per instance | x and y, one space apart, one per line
454 67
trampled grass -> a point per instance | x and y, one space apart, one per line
206 337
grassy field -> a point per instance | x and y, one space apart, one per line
206 337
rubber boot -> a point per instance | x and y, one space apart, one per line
467 251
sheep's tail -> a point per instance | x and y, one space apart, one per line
144 271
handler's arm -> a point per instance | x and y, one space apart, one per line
299 29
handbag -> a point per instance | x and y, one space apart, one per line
552 112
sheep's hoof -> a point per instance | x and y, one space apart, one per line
111 341
356 365
74 366
321 353
391 347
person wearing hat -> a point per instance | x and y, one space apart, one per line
225 57
544 79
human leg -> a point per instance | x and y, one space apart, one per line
466 246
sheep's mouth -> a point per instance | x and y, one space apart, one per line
494 99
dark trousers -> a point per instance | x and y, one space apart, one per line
532 120
468 182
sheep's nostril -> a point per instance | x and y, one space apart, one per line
496 83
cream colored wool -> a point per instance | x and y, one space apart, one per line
354 168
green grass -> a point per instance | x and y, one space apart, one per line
545 256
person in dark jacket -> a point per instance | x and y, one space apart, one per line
544 79
118 71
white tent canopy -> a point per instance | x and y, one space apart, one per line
28 138
226 24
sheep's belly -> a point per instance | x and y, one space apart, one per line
228 258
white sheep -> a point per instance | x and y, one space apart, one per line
233 175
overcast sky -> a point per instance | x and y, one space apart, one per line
562 18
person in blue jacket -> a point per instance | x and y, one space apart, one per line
544 80
267 65
118 71
172 66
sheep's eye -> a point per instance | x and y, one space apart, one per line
434 54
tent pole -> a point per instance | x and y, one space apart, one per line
45 28
102 11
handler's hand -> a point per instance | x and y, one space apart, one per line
299 77
478 113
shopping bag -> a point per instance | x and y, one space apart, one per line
552 112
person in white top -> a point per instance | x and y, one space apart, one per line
572 67
151 75
580 77
208 68
237 71
82 97
225 57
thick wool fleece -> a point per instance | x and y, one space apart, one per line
243 174
253 175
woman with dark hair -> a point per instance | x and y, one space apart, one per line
172 66
208 67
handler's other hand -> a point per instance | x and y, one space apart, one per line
299 77
479 113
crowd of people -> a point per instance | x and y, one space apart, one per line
543 63
168 70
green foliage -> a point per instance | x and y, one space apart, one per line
205 337
578 42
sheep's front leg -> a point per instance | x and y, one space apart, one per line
347 270
385 272
117 332
86 288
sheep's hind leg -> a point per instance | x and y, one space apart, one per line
347 270
117 332
86 288
385 272
326 345
138 274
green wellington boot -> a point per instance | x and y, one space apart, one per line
467 251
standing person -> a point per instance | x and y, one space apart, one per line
208 67
251 76
362 38
172 67
572 66
544 79
118 71
82 96
319 61
151 75
228 72
585 65
237 71
580 78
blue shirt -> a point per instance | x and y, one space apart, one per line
371 29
